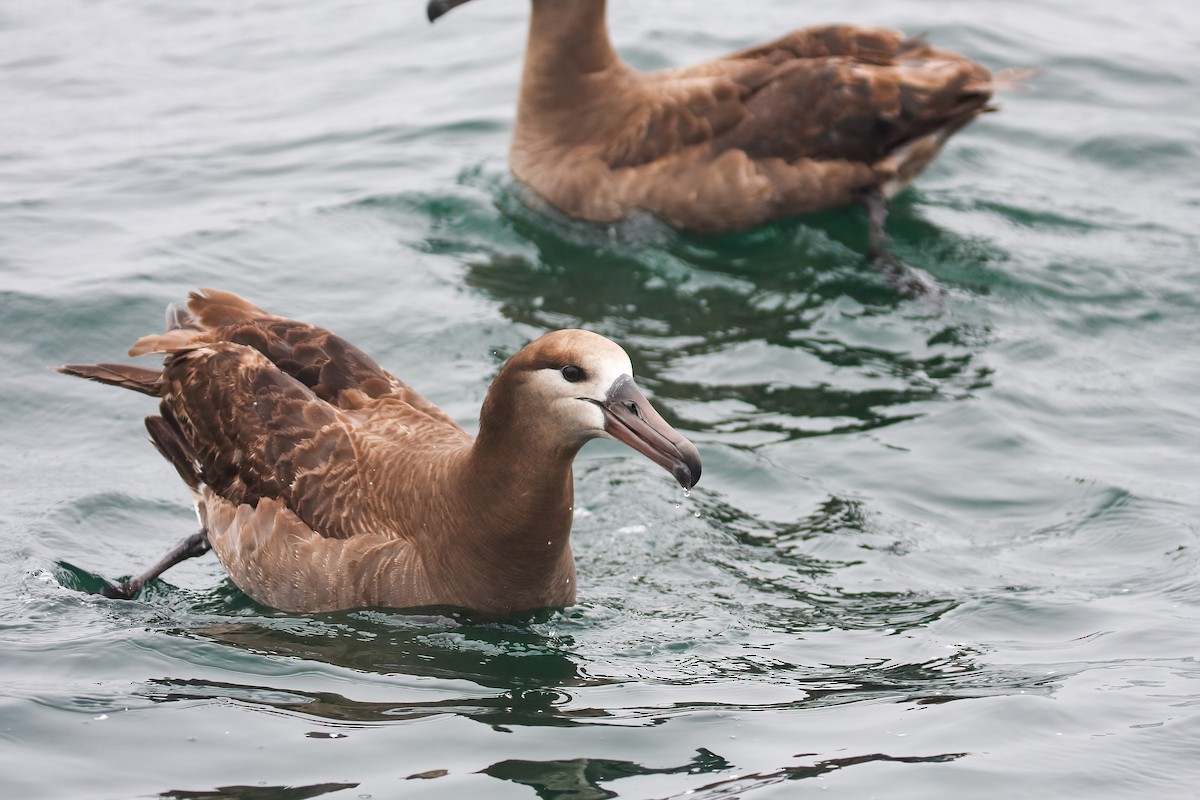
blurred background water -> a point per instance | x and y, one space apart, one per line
935 553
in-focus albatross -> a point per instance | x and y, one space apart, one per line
323 482
817 119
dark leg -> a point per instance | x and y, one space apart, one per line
194 545
908 281
877 213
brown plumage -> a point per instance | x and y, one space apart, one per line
323 482
817 119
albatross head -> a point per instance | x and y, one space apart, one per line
573 385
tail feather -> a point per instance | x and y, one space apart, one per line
179 318
1012 79
188 328
139 379
170 342
217 309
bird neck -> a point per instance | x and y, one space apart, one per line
568 49
515 542
571 35
526 480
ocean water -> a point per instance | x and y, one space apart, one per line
935 552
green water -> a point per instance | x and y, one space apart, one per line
935 553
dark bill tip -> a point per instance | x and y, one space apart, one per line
437 8
687 471
684 476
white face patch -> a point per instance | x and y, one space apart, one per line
569 407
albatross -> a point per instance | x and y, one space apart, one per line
322 482
819 118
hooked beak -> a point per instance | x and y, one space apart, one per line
437 8
629 418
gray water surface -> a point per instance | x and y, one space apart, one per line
935 553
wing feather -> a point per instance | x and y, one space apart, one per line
836 93
256 432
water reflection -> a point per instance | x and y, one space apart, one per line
580 778
525 666
543 708
744 783
935 682
512 655
796 592
259 792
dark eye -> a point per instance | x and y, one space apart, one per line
573 374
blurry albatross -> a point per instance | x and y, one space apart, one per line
817 119
323 482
